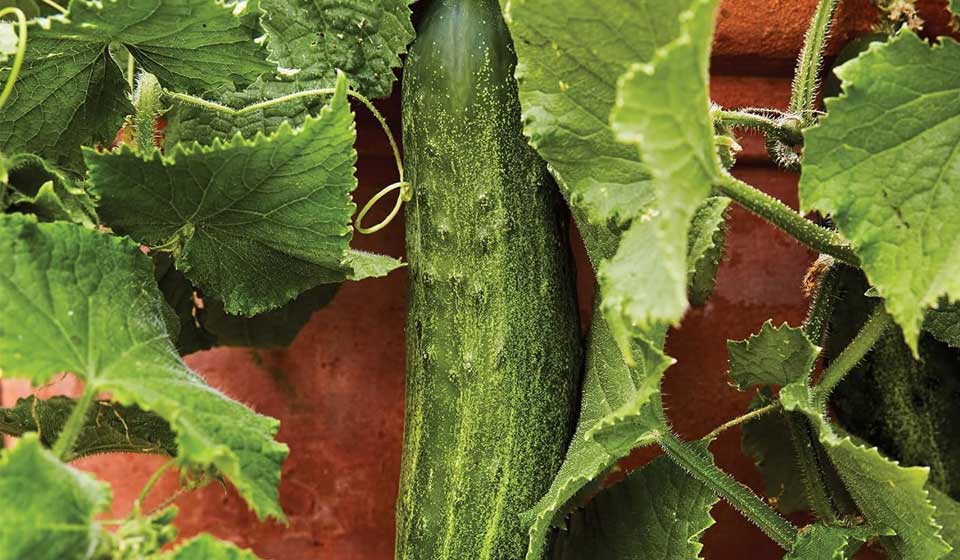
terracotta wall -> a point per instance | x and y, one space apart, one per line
338 389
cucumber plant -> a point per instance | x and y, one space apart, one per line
221 213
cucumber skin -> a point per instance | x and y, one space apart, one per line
493 339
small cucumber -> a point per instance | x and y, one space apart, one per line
493 340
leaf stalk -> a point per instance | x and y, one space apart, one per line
736 494
806 81
872 330
779 214
75 422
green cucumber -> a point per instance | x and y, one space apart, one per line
493 340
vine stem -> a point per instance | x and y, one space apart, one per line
786 128
18 56
806 81
871 332
319 92
741 419
71 429
779 214
805 445
725 486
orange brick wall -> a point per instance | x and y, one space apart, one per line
338 389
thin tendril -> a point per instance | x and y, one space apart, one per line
18 56
404 187
151 482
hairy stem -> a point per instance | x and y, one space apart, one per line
785 129
78 417
779 214
871 332
741 419
722 484
804 444
806 81
826 290
811 470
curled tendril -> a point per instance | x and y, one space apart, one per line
405 188
406 193
18 56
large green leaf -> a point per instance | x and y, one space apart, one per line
658 512
252 223
889 496
568 86
79 300
311 40
109 427
617 414
70 91
884 163
774 356
663 107
205 547
48 507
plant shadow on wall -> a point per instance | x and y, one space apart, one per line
122 252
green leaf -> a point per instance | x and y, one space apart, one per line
884 164
657 512
71 92
109 427
954 7
774 356
890 497
943 322
202 327
39 188
206 547
48 508
820 542
252 223
79 300
705 244
617 414
311 41
664 108
948 517
568 86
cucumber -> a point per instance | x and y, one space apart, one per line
493 340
